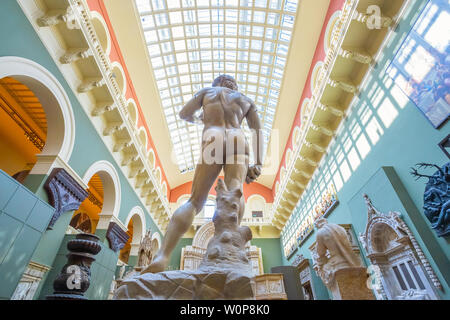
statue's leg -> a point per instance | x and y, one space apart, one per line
181 221
235 174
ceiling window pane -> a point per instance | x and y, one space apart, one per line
190 42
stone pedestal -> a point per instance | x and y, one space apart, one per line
75 276
224 273
351 284
201 284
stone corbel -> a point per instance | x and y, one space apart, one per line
277 224
315 147
141 180
54 17
302 172
297 184
155 206
91 83
102 107
75 54
150 200
357 56
64 193
113 127
343 85
116 237
293 192
373 21
332 109
121 144
129 158
322 129
135 171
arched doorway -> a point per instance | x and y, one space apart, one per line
136 227
23 128
50 124
86 218
104 187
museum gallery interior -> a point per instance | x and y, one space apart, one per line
107 108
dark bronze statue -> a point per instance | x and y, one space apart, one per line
436 199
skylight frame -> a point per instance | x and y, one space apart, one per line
178 40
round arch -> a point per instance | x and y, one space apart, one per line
164 189
288 157
315 75
111 186
156 238
158 175
203 235
296 136
55 102
142 135
119 74
101 29
256 202
151 158
282 174
332 22
132 112
139 225
304 110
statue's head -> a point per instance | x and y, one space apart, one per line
226 81
319 223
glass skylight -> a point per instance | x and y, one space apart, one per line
191 42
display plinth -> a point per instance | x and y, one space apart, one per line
351 284
202 284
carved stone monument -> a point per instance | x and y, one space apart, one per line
401 269
145 254
337 265
224 273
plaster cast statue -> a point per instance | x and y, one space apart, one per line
224 146
332 239
224 273
145 250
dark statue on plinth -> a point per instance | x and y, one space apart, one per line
436 199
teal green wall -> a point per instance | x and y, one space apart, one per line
175 258
18 36
270 250
23 219
407 140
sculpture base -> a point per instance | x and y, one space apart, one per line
202 284
351 284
